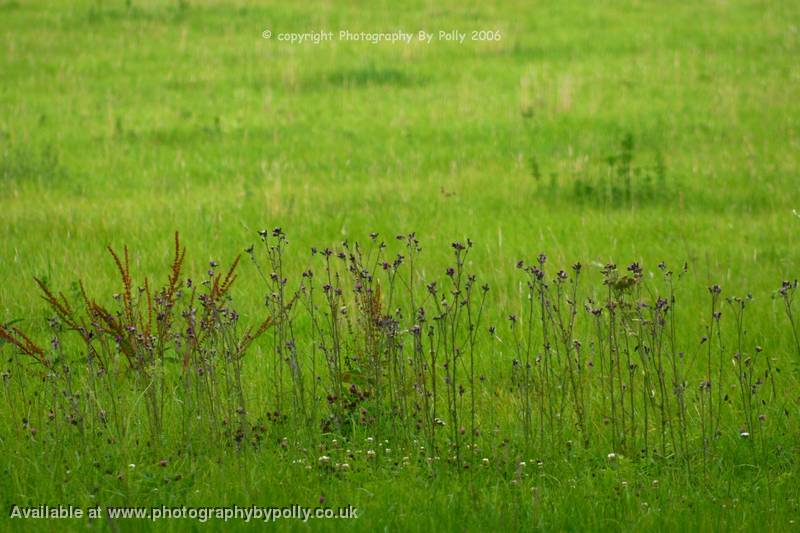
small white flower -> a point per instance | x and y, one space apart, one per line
744 434
612 456
131 465
370 454
485 461
324 459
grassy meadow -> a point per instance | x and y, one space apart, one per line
625 133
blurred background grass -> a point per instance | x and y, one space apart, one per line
121 122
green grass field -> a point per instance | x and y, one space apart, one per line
590 131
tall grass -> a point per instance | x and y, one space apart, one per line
361 343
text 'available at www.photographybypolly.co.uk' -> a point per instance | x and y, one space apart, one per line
253 513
